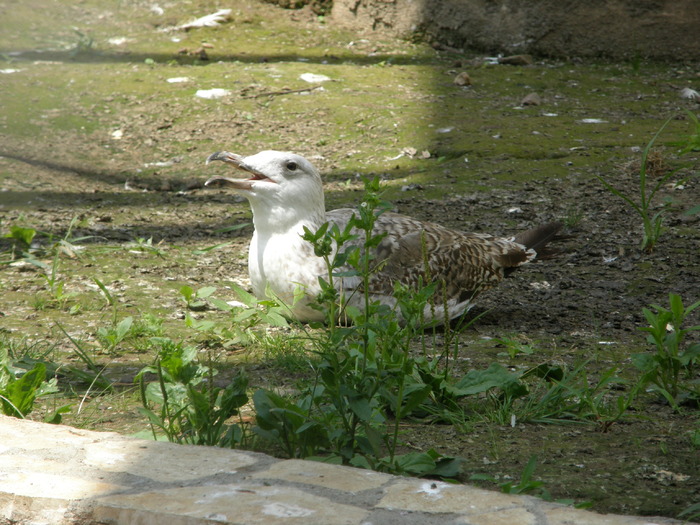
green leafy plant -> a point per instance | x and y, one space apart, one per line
111 336
21 246
20 388
21 362
247 318
185 404
576 397
526 484
84 44
514 347
692 142
147 246
642 205
695 438
21 238
286 422
93 375
551 394
669 369
196 299
55 285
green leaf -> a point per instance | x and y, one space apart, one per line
644 362
495 376
691 512
205 291
24 236
187 292
220 304
448 467
692 211
123 327
19 394
691 354
360 407
416 463
202 251
413 397
105 291
246 298
483 477
57 416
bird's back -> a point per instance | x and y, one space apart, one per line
416 253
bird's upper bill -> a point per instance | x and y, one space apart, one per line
239 162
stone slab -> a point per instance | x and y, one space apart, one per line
436 496
156 461
56 475
335 477
244 504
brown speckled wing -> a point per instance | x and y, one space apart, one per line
464 263
413 252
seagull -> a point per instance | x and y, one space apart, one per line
285 193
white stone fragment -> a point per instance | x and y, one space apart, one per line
313 78
212 93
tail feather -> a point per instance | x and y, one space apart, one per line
537 238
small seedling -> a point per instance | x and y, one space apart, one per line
84 43
110 337
21 237
514 347
147 246
648 189
55 285
674 357
196 300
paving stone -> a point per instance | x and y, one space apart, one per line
37 511
164 461
324 475
569 516
35 484
30 435
436 496
249 504
57 475
19 462
521 516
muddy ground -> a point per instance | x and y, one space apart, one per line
99 149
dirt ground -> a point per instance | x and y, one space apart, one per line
97 148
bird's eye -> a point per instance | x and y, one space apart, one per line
291 166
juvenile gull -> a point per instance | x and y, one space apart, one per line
286 194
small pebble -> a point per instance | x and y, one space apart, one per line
463 79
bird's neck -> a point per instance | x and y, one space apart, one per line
278 220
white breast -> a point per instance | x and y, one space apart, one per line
283 263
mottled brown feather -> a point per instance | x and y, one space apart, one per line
414 252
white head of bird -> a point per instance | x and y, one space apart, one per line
284 189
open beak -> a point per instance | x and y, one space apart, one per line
238 162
